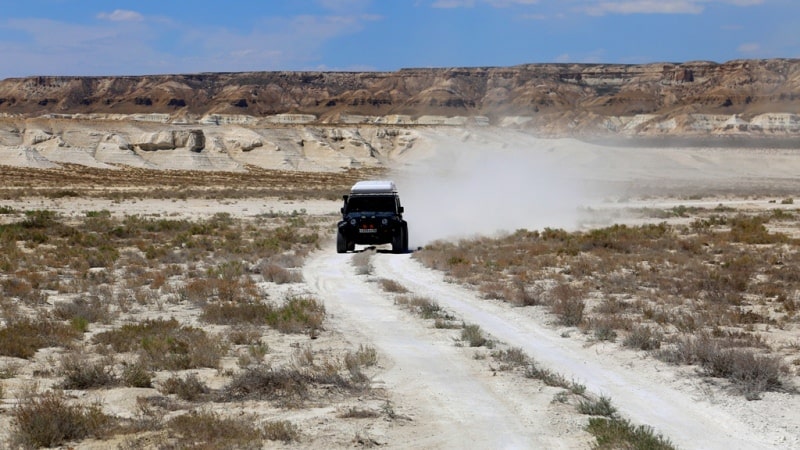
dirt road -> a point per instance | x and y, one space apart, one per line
455 404
444 393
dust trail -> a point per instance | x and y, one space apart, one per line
464 190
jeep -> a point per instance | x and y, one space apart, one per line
372 215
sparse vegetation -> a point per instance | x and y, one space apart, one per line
723 271
207 430
472 335
165 344
188 388
102 300
49 420
21 338
392 286
620 433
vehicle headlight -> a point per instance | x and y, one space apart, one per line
353 222
385 222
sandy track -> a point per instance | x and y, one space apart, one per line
451 403
641 394
454 405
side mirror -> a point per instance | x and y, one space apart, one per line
341 210
345 197
400 209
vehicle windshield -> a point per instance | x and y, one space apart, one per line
372 203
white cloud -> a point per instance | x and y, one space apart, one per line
449 4
599 8
121 15
644 7
506 3
563 58
749 48
344 5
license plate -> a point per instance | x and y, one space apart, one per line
367 230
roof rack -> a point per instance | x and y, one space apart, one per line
374 187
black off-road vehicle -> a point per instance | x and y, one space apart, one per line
372 215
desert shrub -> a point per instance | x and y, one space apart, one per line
198 291
137 375
286 386
90 308
244 335
424 307
23 337
80 372
208 430
392 286
263 383
281 430
16 287
511 358
643 338
48 420
551 378
229 283
472 334
165 344
750 373
567 304
751 230
625 239
188 388
366 355
359 413
597 407
617 433
354 361
236 313
296 315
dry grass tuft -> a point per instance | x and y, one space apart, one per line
48 420
188 388
23 337
392 286
208 430
165 344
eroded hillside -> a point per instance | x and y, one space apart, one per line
758 97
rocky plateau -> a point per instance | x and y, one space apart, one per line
332 120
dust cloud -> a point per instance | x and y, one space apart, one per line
469 190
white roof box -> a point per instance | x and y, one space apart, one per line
374 187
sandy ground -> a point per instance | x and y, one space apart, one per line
449 396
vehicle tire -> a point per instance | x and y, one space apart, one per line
341 243
351 246
397 241
405 238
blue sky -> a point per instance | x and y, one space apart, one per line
102 37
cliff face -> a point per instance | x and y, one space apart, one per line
747 96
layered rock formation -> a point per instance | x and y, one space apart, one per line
328 120
556 99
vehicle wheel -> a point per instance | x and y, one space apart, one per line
397 241
341 243
351 246
405 238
